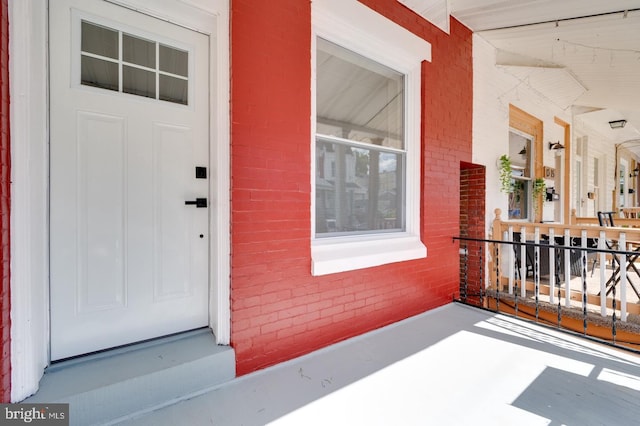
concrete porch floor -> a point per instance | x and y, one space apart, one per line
455 365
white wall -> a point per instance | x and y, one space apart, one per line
597 146
494 89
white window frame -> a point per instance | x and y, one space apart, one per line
354 26
527 180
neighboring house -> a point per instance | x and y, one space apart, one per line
319 145
544 94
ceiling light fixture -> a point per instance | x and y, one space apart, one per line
617 124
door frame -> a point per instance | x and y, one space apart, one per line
622 162
29 115
566 172
532 126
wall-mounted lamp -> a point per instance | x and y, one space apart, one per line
555 145
552 195
635 172
617 124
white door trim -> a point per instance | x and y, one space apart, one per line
28 22
29 195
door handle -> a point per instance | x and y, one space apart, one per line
198 202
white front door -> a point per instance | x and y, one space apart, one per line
129 177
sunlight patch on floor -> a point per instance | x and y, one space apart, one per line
420 387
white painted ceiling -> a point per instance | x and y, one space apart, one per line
583 55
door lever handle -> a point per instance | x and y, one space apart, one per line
198 202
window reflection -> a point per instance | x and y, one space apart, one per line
357 189
360 147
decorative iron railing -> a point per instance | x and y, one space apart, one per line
584 278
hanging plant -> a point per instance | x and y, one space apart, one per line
539 188
504 167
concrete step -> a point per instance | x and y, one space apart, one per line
103 387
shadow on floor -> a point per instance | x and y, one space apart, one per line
453 365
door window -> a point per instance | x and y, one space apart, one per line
118 61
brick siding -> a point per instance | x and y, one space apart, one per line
472 224
280 311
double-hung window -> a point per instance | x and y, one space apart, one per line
366 147
360 150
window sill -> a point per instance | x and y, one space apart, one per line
332 255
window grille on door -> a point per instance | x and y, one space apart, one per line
122 62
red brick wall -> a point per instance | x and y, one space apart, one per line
280 311
5 180
472 200
472 224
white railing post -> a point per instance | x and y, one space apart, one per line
523 262
552 265
536 264
623 277
603 274
511 259
583 270
567 269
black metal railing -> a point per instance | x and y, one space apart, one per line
513 275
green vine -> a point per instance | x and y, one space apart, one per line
506 183
539 188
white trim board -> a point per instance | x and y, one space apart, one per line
356 27
29 195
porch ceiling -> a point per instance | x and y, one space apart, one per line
588 44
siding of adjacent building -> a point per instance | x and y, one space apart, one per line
279 310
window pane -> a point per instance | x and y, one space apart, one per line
138 82
173 89
99 73
358 190
174 61
99 40
138 51
520 154
519 199
357 98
